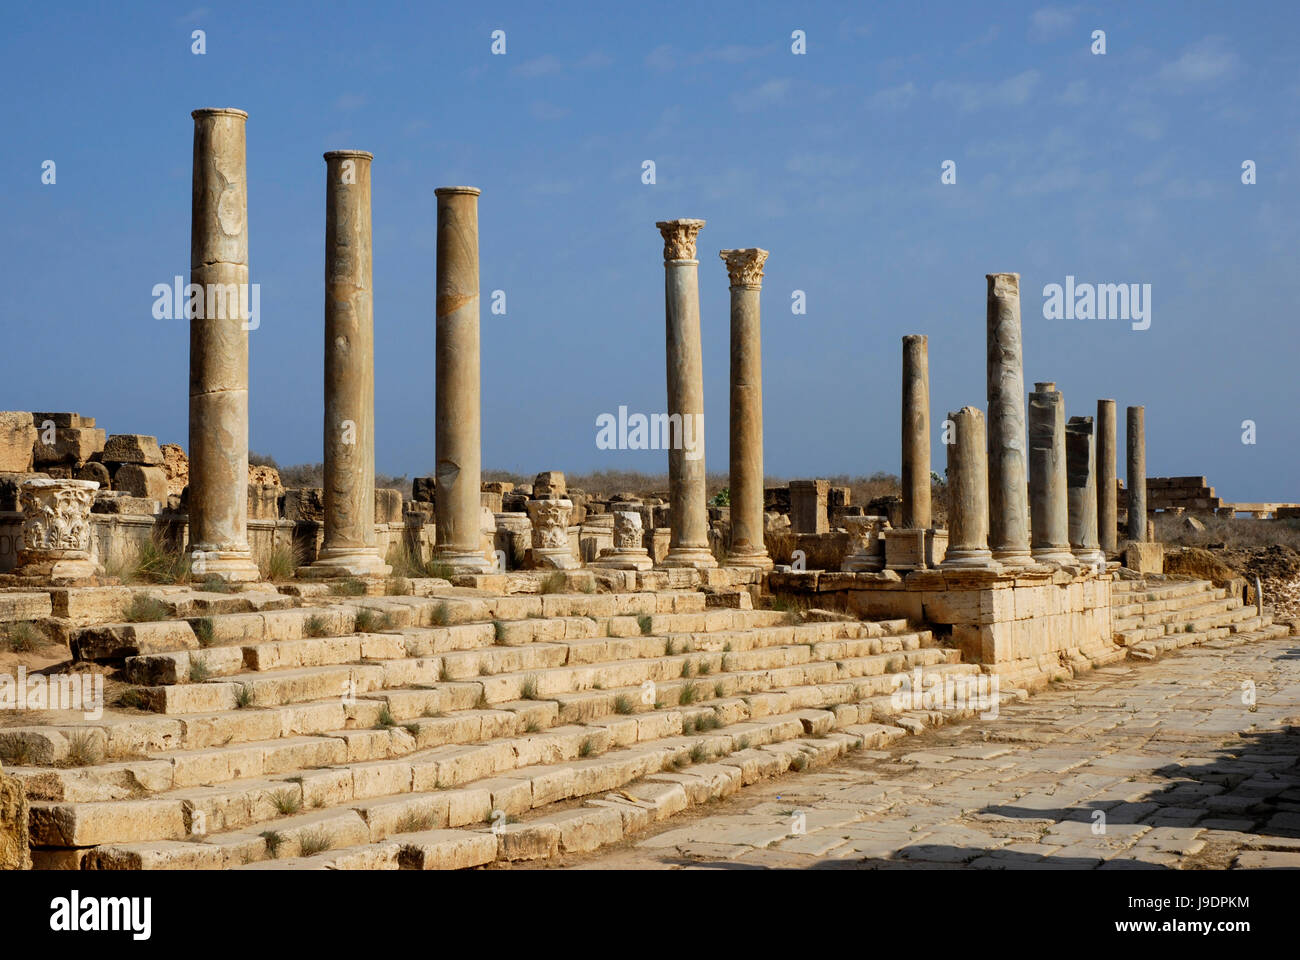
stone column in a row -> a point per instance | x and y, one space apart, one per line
1049 505
349 547
747 547
1008 492
968 493
1080 468
1137 474
916 433
1107 507
457 424
689 542
217 500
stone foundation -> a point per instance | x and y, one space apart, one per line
1029 626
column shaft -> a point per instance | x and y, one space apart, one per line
1137 474
968 504
1080 466
747 547
1107 508
689 543
219 324
349 547
1008 493
457 470
1049 504
916 433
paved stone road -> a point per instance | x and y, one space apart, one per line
1184 773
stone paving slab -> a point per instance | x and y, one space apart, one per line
1160 765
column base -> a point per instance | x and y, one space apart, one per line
1094 559
957 559
623 558
541 558
1061 555
757 559
232 566
346 562
1014 557
463 561
699 558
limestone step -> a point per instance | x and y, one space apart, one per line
17 605
209 765
389 809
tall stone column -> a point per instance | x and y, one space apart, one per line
218 433
916 433
689 543
1049 504
1008 492
457 471
1081 480
1137 474
747 547
968 493
350 544
1107 508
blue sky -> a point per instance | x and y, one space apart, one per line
1115 168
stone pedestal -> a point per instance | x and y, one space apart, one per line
457 471
1137 475
689 545
1082 489
56 529
1008 491
915 549
747 547
808 513
629 551
1049 503
218 414
1107 507
968 500
349 548
868 554
550 520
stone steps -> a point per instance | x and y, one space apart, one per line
209 765
1153 619
415 828
320 725
1151 649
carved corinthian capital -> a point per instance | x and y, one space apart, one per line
679 238
745 267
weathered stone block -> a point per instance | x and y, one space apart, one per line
1144 557
141 481
132 448
17 440
72 445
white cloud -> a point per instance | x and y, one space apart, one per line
765 94
1200 65
893 98
1075 93
969 96
542 66
1048 23
541 110
661 58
